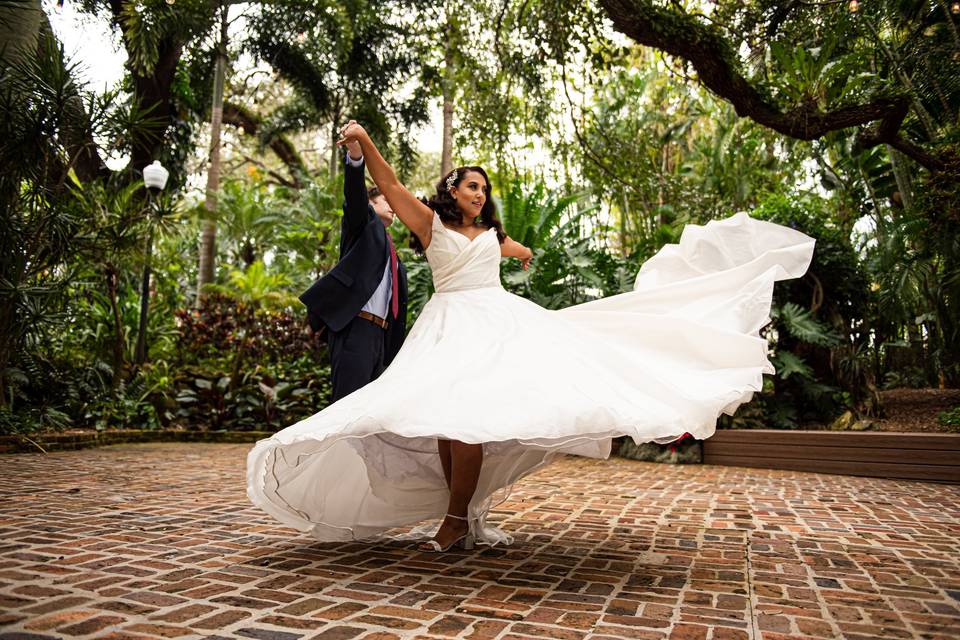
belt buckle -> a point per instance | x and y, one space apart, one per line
377 320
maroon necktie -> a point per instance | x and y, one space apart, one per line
395 286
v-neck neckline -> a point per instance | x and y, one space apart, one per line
465 236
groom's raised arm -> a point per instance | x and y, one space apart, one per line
356 204
417 216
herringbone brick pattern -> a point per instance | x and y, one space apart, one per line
159 541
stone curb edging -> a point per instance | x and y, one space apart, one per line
82 440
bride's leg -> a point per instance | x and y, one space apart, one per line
466 461
443 447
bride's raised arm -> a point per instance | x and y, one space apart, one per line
417 216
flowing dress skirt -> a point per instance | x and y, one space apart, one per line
482 365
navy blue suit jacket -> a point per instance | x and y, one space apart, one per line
336 298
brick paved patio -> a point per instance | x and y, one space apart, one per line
159 541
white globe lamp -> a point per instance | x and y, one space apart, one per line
155 175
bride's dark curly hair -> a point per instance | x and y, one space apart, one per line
446 207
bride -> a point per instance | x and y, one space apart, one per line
489 387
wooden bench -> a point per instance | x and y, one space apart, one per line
913 456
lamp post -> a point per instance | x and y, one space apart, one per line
155 178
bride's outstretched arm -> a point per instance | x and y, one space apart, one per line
510 248
417 216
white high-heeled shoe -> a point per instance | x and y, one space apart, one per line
465 542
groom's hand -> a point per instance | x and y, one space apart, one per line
350 135
353 148
351 143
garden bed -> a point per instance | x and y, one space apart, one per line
84 438
916 410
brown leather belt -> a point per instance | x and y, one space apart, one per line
377 320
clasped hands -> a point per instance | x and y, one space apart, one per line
350 138
350 135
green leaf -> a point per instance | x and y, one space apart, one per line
517 277
801 324
581 261
788 364
74 178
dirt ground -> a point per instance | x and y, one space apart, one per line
916 410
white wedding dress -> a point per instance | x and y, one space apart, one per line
482 365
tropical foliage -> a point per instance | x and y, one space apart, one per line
606 126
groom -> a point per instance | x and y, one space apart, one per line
362 301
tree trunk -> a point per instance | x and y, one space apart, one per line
208 237
446 155
623 223
878 212
152 94
449 94
902 175
661 219
25 33
20 26
334 136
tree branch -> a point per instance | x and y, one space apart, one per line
888 132
250 123
270 172
719 70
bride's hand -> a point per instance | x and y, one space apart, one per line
526 258
351 132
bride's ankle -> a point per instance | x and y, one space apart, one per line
457 519
456 523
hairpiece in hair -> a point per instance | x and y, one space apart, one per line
451 179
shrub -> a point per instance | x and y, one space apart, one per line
950 417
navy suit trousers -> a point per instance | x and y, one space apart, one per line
356 356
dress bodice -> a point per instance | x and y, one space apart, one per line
460 263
